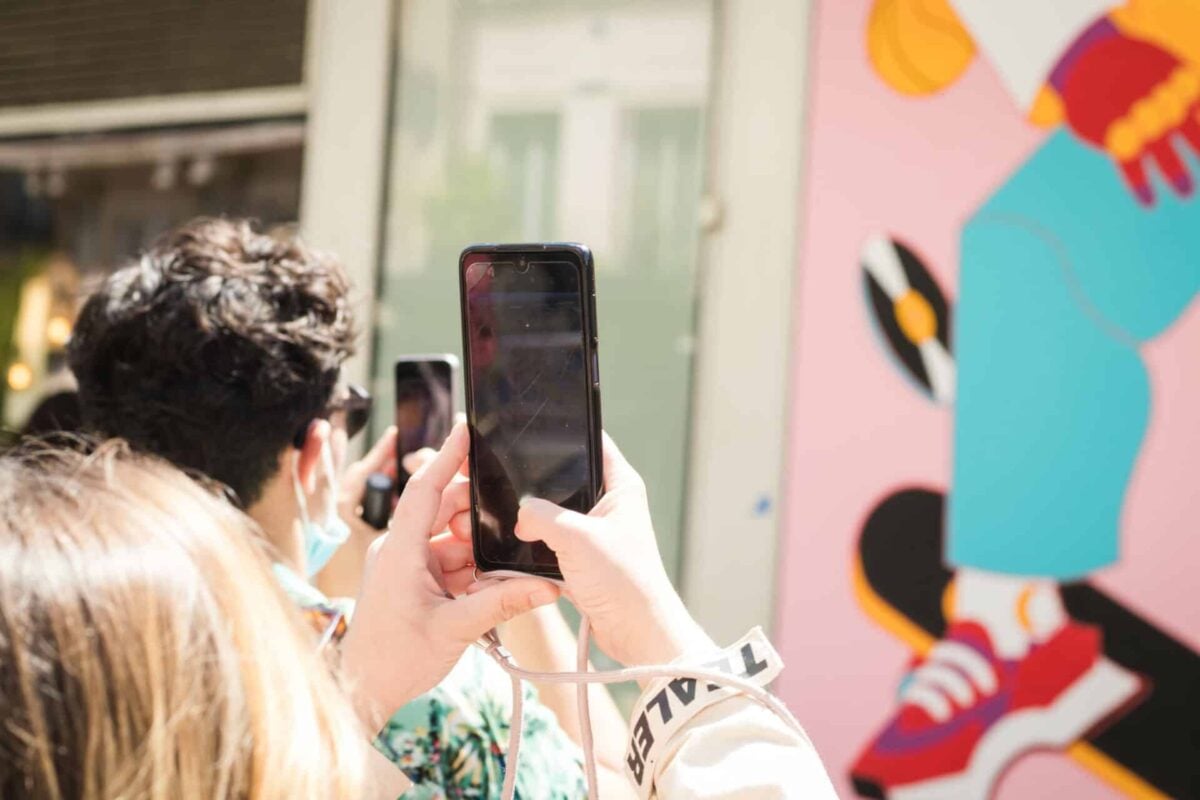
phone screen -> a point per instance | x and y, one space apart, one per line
529 409
424 407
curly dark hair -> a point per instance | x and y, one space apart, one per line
214 349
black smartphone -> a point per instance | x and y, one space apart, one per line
424 406
533 392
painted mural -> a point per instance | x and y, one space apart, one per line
1075 259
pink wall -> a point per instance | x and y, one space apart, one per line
916 168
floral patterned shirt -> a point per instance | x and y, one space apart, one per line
452 741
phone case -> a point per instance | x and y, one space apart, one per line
583 256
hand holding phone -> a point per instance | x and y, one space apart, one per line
533 392
403 614
613 570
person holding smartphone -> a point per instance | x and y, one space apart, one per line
146 567
221 350
612 572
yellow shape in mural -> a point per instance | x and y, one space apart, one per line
917 47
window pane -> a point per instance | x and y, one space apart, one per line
664 185
63 229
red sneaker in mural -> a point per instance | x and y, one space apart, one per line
965 714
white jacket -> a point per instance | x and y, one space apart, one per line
738 749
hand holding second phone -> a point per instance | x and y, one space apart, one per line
407 634
613 571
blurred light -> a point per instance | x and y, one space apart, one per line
58 331
20 376
33 184
201 170
56 183
710 215
163 176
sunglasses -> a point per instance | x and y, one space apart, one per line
351 411
329 622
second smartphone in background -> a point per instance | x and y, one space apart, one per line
424 405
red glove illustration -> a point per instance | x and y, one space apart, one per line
1131 98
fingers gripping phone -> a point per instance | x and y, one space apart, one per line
424 406
533 392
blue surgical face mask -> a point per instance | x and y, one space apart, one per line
321 538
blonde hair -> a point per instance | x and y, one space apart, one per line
145 650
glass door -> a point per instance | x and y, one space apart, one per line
581 120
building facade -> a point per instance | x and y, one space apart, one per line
393 133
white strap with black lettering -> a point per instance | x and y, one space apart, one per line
668 704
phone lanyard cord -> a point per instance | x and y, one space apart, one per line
582 678
585 710
492 646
